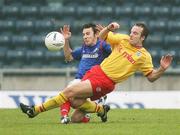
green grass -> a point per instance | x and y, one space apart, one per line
120 122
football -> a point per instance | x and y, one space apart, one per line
54 41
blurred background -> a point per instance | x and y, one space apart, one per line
26 64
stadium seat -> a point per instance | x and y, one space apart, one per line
142 11
25 2
154 41
49 55
160 2
10 12
77 3
161 12
20 42
3 52
42 26
43 11
52 12
76 41
124 11
175 12
102 11
69 2
125 26
172 41
34 55
5 41
68 11
2 64
13 55
177 2
37 42
173 26
158 26
3 60
25 25
57 12
54 59
60 23
7 25
27 12
15 58
177 59
76 26
85 11
164 52
35 58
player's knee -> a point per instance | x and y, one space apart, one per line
69 92
77 118
75 103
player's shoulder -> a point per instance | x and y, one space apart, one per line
102 42
120 35
124 37
146 52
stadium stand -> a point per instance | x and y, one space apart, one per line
24 23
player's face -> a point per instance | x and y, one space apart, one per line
89 37
135 36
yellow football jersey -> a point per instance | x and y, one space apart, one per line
125 59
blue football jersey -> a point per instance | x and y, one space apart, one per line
90 56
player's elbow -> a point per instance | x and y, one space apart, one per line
151 80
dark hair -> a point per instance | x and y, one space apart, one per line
145 31
90 25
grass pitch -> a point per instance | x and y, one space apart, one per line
120 122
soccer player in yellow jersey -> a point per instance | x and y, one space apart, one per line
128 56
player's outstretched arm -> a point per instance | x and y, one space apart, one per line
164 64
67 35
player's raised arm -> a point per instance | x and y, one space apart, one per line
67 50
111 27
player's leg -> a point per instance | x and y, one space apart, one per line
95 85
89 106
80 90
65 108
79 116
64 113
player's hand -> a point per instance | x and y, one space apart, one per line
166 61
66 32
113 26
99 27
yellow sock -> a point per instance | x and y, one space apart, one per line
51 103
91 107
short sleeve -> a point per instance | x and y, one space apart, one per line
147 67
115 38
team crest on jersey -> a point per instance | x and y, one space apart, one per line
138 54
98 89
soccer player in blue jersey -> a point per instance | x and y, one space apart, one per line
92 52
